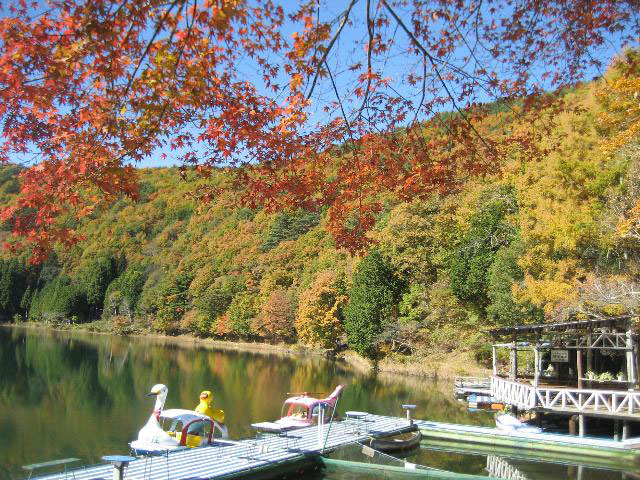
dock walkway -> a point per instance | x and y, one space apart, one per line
251 457
465 386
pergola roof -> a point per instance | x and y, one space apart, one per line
563 326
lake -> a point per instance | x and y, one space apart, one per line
69 394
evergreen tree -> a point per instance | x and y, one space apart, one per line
59 300
470 262
124 292
289 226
371 301
173 303
503 309
95 279
13 283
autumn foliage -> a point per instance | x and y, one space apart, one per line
90 88
319 320
276 317
522 245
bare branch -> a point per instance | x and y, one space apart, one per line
330 46
369 47
435 67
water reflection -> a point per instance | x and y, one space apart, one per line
82 395
465 461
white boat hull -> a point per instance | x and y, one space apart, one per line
508 423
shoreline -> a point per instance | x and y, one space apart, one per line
443 366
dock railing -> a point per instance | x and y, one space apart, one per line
526 396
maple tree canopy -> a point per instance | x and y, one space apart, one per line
328 103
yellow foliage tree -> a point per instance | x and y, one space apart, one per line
621 117
559 203
318 322
620 97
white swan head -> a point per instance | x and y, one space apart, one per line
160 392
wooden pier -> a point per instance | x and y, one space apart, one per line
576 369
465 386
278 455
264 457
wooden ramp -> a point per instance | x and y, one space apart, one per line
260 457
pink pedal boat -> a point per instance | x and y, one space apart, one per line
302 411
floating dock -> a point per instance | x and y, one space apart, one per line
601 452
299 450
263 457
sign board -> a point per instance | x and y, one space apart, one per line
368 451
559 355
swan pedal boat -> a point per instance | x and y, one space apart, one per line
179 429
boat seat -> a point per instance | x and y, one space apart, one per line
52 463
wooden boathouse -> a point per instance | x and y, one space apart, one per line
583 369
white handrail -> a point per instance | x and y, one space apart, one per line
581 399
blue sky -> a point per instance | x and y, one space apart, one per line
349 48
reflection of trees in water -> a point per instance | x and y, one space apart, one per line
83 395
37 368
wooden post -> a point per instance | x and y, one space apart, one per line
513 368
589 353
636 357
625 429
495 360
536 367
631 367
616 430
581 425
572 424
579 372
579 366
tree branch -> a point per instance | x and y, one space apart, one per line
330 46
370 45
433 64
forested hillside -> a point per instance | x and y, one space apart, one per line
535 240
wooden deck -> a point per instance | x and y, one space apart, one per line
266 456
622 404
273 456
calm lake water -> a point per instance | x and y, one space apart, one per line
79 395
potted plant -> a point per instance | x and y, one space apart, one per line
606 377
